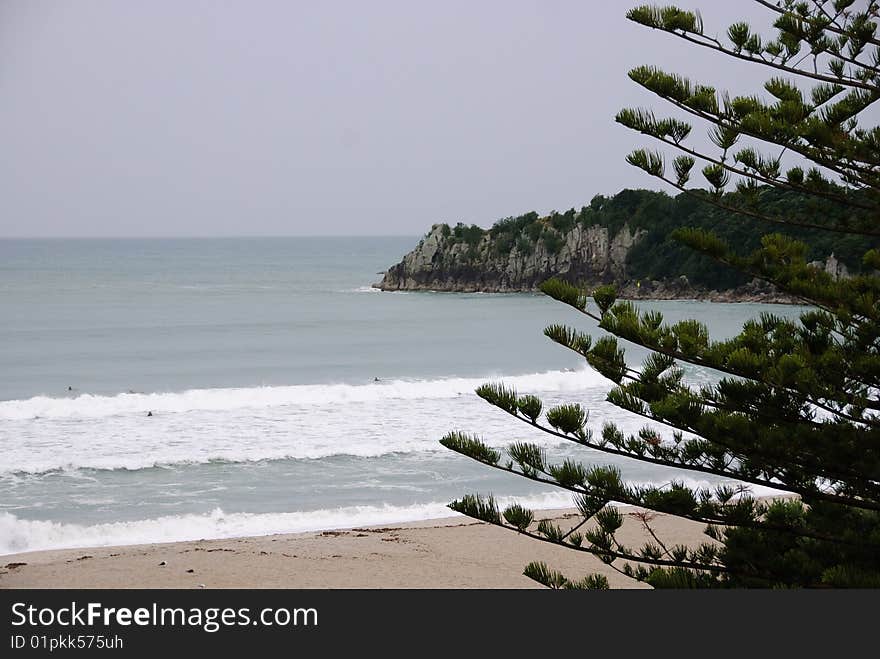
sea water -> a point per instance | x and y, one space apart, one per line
163 390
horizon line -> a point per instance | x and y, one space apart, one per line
209 237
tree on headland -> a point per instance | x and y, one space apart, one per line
795 406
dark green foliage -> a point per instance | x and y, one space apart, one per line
795 405
513 225
609 520
568 419
552 239
676 578
660 254
530 407
591 582
482 508
467 234
523 245
563 222
529 457
569 474
572 339
499 396
471 447
605 296
590 504
606 479
518 516
543 575
565 292
666 18
607 358
552 532
508 233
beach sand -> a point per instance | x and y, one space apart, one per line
455 552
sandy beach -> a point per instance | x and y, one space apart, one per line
454 552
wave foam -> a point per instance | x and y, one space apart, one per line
22 535
201 426
95 406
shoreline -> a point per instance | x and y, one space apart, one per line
449 552
631 294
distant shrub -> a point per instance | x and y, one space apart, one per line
513 225
471 235
563 222
552 241
524 245
534 230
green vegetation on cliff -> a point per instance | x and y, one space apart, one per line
657 255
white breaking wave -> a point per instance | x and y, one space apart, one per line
20 535
87 406
269 423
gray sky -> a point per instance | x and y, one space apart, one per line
170 117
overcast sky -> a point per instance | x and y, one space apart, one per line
260 117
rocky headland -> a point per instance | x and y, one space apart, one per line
518 254
588 257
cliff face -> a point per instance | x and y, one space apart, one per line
586 255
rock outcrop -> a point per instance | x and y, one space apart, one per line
587 256
833 267
440 263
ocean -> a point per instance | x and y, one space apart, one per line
179 389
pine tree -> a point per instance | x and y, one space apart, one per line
795 406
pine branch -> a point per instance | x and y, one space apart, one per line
818 466
777 182
783 221
830 28
678 355
703 399
852 171
713 44
623 498
608 553
678 464
818 469
643 518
